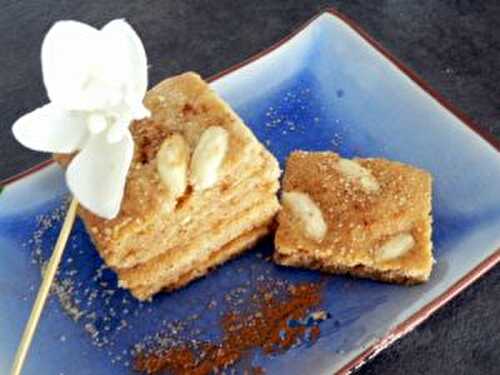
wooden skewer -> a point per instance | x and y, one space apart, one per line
43 292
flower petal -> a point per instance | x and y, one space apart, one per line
129 55
51 129
97 175
68 57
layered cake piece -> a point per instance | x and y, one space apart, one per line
364 217
201 189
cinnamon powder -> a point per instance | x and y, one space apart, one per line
267 328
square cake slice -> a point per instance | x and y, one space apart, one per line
201 189
364 217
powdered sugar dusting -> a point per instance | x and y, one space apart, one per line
297 114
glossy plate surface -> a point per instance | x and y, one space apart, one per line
326 88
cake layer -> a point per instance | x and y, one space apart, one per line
230 212
174 229
171 237
178 260
412 268
200 267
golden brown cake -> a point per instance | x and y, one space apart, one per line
201 188
364 217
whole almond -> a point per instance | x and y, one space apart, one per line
307 212
355 172
172 163
396 247
207 157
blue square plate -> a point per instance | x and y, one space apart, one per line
327 87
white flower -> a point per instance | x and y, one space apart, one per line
96 81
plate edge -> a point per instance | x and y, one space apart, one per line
420 316
421 82
26 172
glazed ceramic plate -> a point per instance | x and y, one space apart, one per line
327 87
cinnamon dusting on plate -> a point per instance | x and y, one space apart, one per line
267 328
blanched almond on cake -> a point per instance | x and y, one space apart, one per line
395 247
309 214
353 171
207 157
172 163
